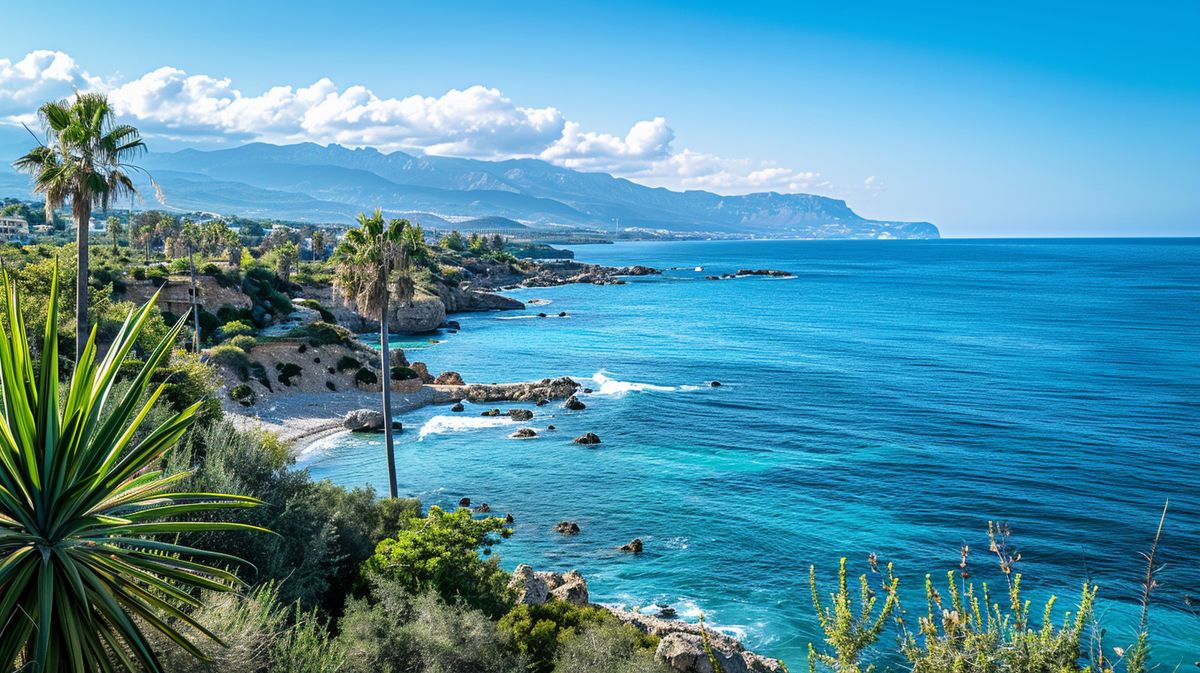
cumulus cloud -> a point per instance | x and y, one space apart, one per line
38 77
476 122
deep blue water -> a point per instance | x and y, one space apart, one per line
892 398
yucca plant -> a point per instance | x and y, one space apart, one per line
84 566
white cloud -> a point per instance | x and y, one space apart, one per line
477 122
38 77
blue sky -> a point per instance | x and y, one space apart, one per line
1005 120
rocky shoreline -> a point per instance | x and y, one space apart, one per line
681 644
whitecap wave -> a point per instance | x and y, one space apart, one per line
606 385
439 425
320 448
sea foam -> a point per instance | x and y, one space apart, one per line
442 424
606 385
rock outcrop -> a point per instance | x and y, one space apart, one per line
574 404
587 439
367 420
566 528
423 314
520 414
524 433
553 389
535 588
449 379
681 644
634 546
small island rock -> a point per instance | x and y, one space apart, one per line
587 438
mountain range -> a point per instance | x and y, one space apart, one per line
314 183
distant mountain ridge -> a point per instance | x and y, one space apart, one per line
310 182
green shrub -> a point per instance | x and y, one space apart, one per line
179 265
366 377
210 269
228 355
156 272
315 305
441 553
612 648
538 631
324 532
321 334
258 632
242 393
236 328
189 380
400 633
139 272
404 374
244 342
346 363
288 371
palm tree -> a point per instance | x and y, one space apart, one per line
370 268
113 225
84 161
83 507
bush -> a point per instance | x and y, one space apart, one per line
157 272
324 532
228 355
242 393
288 371
611 648
315 305
404 374
441 554
258 634
236 328
346 363
139 273
244 342
210 269
189 380
321 334
538 631
365 377
398 633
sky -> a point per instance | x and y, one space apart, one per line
987 119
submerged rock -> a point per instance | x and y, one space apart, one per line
524 433
458 406
566 528
464 502
715 384
634 546
587 438
491 412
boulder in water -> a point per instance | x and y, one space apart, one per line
458 406
524 433
715 384
464 502
574 404
634 546
520 414
587 438
566 528
491 412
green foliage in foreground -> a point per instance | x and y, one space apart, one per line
539 631
441 553
83 571
971 629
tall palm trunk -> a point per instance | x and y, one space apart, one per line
83 216
386 371
195 303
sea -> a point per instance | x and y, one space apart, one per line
886 398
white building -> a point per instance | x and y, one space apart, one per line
13 228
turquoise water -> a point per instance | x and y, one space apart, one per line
891 398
